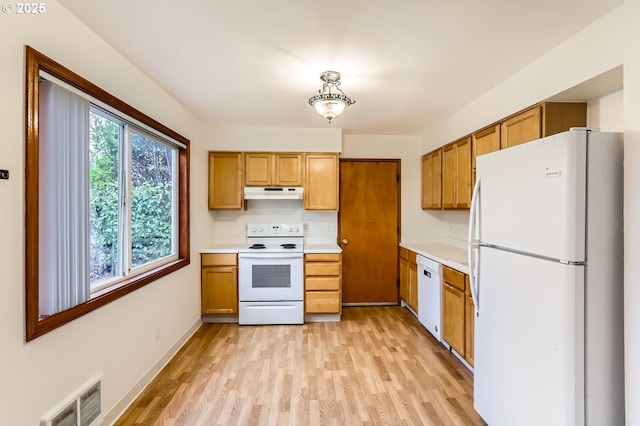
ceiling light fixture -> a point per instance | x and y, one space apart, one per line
329 103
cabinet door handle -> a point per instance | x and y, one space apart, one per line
345 241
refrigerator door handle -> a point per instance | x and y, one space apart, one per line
473 245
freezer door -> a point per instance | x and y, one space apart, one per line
532 197
529 341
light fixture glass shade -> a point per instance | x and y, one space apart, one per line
329 108
327 103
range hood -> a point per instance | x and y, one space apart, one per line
273 193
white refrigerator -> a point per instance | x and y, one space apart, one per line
546 258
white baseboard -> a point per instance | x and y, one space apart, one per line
119 408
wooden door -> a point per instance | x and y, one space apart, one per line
369 230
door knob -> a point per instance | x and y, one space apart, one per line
344 241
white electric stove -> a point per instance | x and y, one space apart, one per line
271 275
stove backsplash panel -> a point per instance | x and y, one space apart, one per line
230 226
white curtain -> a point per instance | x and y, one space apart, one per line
63 199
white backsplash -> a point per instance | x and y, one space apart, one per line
230 226
456 225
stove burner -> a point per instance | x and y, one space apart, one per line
288 246
257 246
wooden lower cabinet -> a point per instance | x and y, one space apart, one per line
323 283
409 278
219 284
469 319
453 309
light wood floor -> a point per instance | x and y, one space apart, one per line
378 366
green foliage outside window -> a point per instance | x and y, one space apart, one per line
151 198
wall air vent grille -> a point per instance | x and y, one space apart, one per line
82 408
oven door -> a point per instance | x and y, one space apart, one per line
270 277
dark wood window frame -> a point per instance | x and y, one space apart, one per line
35 61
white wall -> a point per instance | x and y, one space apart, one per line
275 139
593 51
558 70
117 340
632 211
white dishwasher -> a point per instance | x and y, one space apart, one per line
429 289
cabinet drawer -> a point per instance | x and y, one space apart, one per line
404 253
322 268
214 259
322 283
453 277
322 302
322 257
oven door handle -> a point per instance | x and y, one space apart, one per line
270 255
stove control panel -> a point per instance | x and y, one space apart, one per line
275 230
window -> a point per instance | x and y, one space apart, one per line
106 197
134 204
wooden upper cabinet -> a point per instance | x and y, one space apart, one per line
273 169
484 142
288 169
258 168
456 174
521 128
226 180
543 120
432 180
321 182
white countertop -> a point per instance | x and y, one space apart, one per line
222 248
322 248
447 254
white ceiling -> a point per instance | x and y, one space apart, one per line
407 63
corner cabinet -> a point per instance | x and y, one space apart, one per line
458 313
219 284
469 324
409 278
432 180
321 182
226 178
453 309
542 120
323 283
